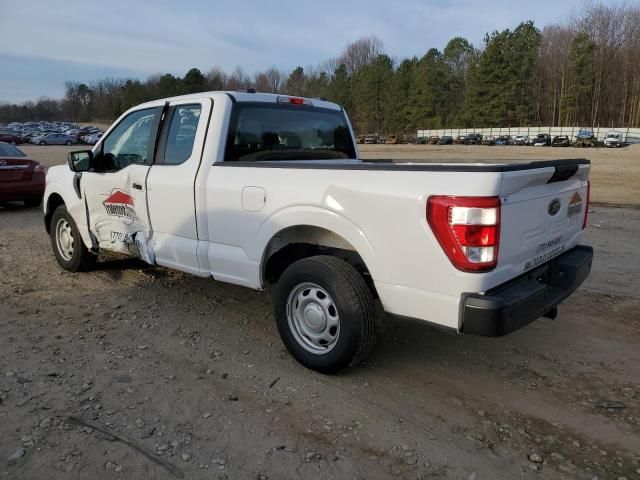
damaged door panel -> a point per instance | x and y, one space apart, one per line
115 192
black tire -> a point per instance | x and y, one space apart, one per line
81 259
354 303
33 202
42 142
68 142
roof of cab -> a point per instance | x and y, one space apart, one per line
242 96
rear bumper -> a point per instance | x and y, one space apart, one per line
524 299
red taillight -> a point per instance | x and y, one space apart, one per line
39 168
468 230
586 209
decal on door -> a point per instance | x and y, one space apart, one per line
118 229
120 204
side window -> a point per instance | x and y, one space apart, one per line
130 141
181 134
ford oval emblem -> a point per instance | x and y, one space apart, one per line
554 207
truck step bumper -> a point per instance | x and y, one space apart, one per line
524 299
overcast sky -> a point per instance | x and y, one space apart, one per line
44 43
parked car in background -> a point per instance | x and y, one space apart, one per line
21 178
434 139
371 139
613 140
26 132
520 140
446 140
459 140
360 139
392 140
422 140
489 140
541 140
585 138
473 139
10 137
504 140
55 139
560 141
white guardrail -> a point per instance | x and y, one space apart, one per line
629 135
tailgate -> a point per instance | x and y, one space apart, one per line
543 212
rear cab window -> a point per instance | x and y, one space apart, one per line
177 146
274 131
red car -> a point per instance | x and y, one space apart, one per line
20 177
10 138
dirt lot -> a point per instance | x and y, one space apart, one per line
193 371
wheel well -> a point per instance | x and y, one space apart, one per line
295 243
53 202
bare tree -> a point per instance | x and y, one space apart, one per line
270 81
360 53
216 79
238 80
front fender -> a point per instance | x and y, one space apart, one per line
60 184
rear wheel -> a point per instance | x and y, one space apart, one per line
68 142
67 244
42 142
325 313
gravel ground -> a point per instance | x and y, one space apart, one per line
171 375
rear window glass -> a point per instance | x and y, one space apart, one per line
260 131
182 134
7 150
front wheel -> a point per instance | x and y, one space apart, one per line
325 313
68 142
67 244
42 142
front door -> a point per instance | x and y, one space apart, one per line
115 192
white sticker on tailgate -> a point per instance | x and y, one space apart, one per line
545 252
575 205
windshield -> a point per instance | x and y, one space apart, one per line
266 131
7 150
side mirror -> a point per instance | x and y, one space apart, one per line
80 161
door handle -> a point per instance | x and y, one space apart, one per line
137 186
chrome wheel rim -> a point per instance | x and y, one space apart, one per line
64 239
313 318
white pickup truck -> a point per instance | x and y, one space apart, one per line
268 191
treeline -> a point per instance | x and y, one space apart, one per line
585 71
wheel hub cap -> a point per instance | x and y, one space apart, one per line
64 239
313 318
